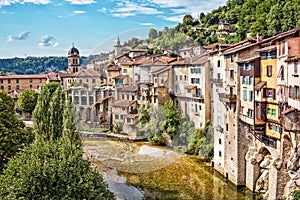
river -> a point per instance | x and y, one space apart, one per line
137 171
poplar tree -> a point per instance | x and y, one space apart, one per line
48 114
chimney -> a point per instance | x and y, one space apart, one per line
258 37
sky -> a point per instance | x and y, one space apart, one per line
50 27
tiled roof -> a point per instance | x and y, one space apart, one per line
87 73
161 70
200 60
184 61
288 110
248 59
259 85
24 76
131 88
113 68
120 76
268 48
123 103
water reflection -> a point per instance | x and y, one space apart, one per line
147 172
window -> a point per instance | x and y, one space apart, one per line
231 58
226 126
83 100
269 111
247 66
176 78
245 95
273 112
220 141
295 68
270 93
91 100
2 87
196 108
9 87
244 80
122 116
250 95
185 77
17 87
219 63
1 81
231 73
17 80
220 153
30 80
296 91
250 80
250 113
128 120
116 116
123 96
76 100
30 86
93 81
8 81
180 77
195 80
269 70
124 71
123 109
40 80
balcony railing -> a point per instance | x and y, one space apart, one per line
228 98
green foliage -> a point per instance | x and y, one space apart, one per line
13 135
152 34
27 100
70 130
52 170
201 142
48 114
173 116
119 127
156 123
296 195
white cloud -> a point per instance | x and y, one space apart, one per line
194 7
131 9
81 2
146 24
102 10
77 12
7 13
10 2
48 41
177 18
22 36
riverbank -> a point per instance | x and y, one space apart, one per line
113 136
139 170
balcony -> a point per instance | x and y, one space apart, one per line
228 98
217 81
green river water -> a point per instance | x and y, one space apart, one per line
141 171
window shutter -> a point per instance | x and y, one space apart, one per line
264 93
274 94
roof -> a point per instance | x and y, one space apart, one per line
259 122
73 50
248 59
184 61
88 73
131 88
288 110
113 68
120 76
161 70
24 76
123 103
268 48
240 46
190 87
200 60
259 85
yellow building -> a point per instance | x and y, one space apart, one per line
269 77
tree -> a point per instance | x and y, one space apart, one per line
70 130
48 114
187 20
152 34
52 170
173 116
27 100
13 135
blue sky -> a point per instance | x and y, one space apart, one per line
49 27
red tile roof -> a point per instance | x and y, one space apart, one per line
123 103
24 76
120 76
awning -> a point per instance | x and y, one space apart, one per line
190 87
259 85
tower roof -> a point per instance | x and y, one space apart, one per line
73 50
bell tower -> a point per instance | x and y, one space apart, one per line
73 60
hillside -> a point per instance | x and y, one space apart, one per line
243 18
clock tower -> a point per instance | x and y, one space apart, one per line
73 60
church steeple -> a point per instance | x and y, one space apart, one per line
73 60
